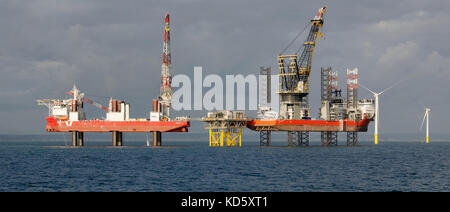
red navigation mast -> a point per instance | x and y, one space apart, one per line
166 91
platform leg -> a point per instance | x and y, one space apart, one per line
74 138
352 138
119 138
334 138
214 137
292 138
114 138
156 138
210 137
323 138
265 137
240 137
329 138
159 139
80 139
222 135
303 138
298 138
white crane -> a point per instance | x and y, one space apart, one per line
427 115
377 110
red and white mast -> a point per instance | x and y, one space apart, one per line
166 78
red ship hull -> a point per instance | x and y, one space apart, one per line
54 125
309 125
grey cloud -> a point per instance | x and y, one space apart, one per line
113 48
398 54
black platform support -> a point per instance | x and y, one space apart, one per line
74 138
80 139
156 138
352 138
329 138
265 137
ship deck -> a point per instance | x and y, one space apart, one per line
54 125
309 125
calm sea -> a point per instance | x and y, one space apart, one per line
193 166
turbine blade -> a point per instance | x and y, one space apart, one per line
392 86
367 88
423 120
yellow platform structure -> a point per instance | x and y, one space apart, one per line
225 128
227 137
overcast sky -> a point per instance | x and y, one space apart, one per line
113 48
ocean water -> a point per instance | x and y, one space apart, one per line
193 166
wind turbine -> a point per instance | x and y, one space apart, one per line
376 95
427 115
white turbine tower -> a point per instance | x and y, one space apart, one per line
427 115
377 111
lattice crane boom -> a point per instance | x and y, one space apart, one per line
294 74
295 70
